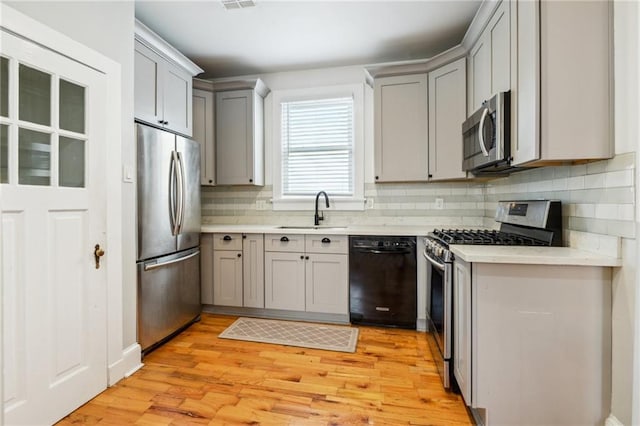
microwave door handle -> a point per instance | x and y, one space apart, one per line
481 132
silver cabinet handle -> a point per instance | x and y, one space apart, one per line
481 132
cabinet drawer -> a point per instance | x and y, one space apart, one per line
227 241
338 244
284 242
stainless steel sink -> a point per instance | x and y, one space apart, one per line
312 227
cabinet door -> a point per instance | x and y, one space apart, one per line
253 270
500 40
401 137
234 137
327 283
203 133
480 67
176 100
227 278
462 327
447 111
206 269
284 281
526 135
148 85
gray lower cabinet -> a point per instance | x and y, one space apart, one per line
284 280
227 269
307 273
253 270
525 352
206 269
232 270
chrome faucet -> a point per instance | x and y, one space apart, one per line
317 218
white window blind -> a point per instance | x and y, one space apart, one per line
317 147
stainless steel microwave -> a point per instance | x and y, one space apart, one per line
486 136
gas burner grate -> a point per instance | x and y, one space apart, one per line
485 237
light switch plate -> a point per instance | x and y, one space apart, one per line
127 173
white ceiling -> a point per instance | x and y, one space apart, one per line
290 35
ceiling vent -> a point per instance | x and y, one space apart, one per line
237 4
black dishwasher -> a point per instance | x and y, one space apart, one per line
382 281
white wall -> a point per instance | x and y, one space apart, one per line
106 27
625 394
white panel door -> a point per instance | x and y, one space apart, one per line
53 194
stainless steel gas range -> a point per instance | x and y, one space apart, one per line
522 223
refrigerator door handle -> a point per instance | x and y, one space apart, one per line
181 195
173 219
149 266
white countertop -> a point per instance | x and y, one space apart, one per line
532 255
401 230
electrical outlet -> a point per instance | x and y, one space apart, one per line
261 205
439 203
369 203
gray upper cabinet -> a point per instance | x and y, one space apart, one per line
490 59
239 141
203 129
447 112
563 107
401 133
162 83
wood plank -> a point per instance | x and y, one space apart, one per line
197 378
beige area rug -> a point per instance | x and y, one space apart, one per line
291 333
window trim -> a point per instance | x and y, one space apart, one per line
305 203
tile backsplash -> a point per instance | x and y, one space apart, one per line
387 204
597 198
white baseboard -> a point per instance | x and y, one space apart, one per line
612 421
130 362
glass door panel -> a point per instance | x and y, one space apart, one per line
4 153
34 93
71 107
4 87
34 157
71 162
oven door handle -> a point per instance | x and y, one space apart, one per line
434 262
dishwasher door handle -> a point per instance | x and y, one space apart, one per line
374 251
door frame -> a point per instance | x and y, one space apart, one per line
120 361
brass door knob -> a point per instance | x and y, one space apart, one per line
97 254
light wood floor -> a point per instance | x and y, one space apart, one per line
197 378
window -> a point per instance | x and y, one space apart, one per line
318 147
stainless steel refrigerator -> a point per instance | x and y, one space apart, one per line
168 261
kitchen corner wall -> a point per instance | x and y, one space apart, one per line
598 199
